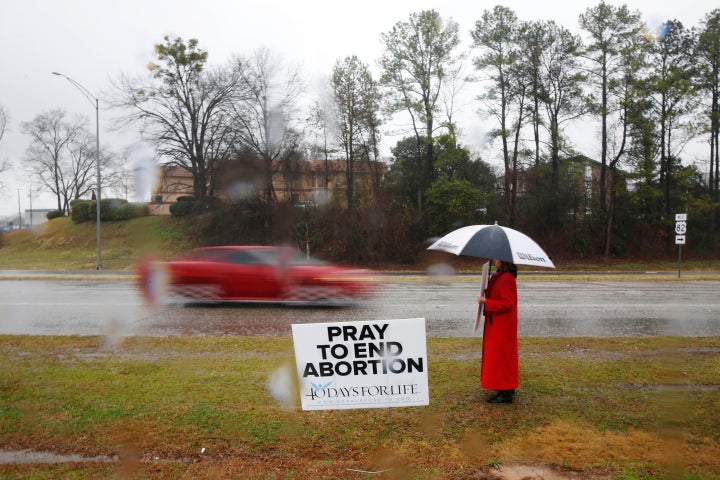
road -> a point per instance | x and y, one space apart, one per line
596 308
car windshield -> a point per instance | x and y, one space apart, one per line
275 256
255 256
210 255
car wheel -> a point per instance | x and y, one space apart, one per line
321 294
199 291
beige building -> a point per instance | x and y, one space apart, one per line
299 183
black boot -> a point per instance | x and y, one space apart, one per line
503 396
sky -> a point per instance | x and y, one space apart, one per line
94 41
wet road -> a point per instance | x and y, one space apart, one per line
598 308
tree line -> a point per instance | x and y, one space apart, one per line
248 121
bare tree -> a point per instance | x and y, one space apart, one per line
266 115
183 109
62 156
357 103
81 167
51 136
322 130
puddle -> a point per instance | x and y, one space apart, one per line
30 456
519 471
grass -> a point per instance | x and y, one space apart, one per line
199 408
59 244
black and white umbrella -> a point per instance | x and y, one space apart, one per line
494 242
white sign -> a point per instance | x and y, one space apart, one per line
679 239
375 364
483 287
680 228
681 217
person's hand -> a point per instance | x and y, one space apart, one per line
481 299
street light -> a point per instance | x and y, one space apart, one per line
94 101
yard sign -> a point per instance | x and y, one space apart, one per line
374 364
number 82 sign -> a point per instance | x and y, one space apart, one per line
680 228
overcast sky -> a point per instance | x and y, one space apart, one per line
92 41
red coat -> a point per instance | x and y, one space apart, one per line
499 370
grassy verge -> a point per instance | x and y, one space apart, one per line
171 408
60 244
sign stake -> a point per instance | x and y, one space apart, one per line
679 258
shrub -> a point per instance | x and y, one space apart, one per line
582 242
111 209
81 210
123 212
127 211
183 208
54 214
108 206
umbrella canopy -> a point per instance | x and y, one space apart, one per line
494 242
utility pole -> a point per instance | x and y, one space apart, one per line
19 211
93 101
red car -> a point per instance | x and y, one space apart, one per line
255 274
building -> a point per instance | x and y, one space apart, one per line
172 182
30 218
36 216
298 182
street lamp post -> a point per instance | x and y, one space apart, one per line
94 101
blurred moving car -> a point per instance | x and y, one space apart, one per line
255 274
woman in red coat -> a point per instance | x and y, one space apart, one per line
499 370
